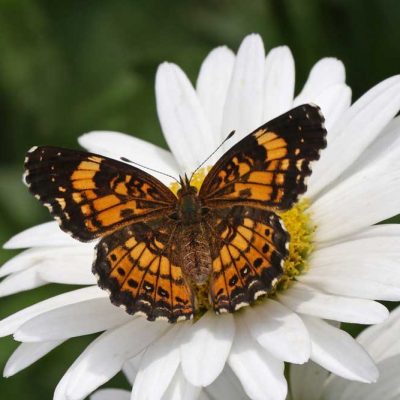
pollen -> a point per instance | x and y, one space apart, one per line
196 180
298 222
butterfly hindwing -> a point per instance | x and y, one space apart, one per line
268 168
92 195
249 247
135 264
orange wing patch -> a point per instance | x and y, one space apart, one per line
249 250
91 195
135 265
267 169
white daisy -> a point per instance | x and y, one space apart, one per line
355 185
310 381
381 341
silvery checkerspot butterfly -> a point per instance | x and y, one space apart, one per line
171 256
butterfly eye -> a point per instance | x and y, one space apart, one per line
174 216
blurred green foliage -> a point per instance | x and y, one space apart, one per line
68 67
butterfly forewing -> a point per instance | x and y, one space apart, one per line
268 167
92 195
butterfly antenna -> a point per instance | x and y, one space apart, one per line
226 139
150 169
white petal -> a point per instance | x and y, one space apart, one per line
380 230
131 367
280 331
116 145
21 261
365 198
181 389
70 258
83 318
21 281
367 268
325 73
244 103
206 347
159 364
212 86
111 394
338 352
75 270
362 247
307 300
104 357
279 82
389 137
358 282
360 125
47 234
384 144
375 231
382 340
386 388
326 87
261 374
333 101
307 381
26 354
340 385
226 386
10 324
69 265
204 396
182 119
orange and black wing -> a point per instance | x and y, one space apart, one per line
92 195
248 249
136 264
267 169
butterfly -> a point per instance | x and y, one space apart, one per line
168 256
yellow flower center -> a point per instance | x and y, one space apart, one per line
196 180
301 229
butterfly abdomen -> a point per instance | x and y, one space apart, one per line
194 247
195 253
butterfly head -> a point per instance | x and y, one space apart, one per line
186 188
189 208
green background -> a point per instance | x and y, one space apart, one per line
68 67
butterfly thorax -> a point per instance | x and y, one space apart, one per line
189 206
193 241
